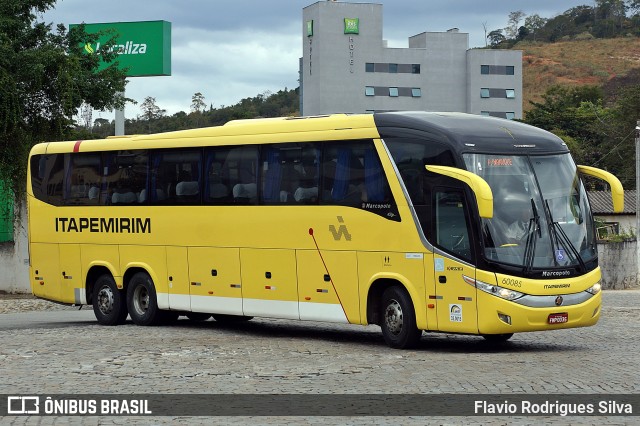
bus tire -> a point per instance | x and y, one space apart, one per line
198 316
142 301
109 303
398 319
229 319
497 337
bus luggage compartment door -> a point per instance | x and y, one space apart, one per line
45 264
214 280
269 283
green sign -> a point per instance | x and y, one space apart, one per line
142 47
351 26
309 28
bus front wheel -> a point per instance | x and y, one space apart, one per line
109 303
141 300
398 319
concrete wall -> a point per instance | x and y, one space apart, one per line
618 264
14 258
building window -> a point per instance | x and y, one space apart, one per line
510 115
393 92
510 93
484 93
369 91
485 113
392 68
416 92
497 69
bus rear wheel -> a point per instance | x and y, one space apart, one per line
142 301
109 303
398 319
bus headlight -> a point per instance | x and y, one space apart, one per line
594 289
503 293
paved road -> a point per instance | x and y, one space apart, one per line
66 352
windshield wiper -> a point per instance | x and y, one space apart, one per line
558 236
532 239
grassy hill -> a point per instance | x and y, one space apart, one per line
583 62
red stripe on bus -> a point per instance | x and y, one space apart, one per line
76 147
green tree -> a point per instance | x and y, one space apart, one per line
534 23
514 23
197 102
495 38
151 111
44 78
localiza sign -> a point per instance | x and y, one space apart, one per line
142 47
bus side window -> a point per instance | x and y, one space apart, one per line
47 172
216 179
82 179
241 165
125 177
343 174
175 177
290 174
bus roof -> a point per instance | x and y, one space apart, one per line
470 133
463 132
253 131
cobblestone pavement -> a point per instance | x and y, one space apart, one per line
267 356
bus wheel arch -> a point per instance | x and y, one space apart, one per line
389 305
109 303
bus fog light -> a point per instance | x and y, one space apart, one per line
504 318
594 289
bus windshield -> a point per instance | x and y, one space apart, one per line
541 213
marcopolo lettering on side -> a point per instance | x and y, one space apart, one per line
114 225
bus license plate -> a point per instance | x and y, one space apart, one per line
558 318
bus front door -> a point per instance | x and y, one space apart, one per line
453 260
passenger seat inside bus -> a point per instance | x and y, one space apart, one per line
218 191
187 191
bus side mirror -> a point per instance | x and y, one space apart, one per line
617 193
479 186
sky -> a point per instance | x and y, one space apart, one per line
241 48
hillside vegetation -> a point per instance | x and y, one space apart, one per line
575 63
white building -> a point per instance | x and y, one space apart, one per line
347 67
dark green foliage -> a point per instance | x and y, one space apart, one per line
44 78
605 19
282 103
598 135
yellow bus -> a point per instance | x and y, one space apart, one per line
414 221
